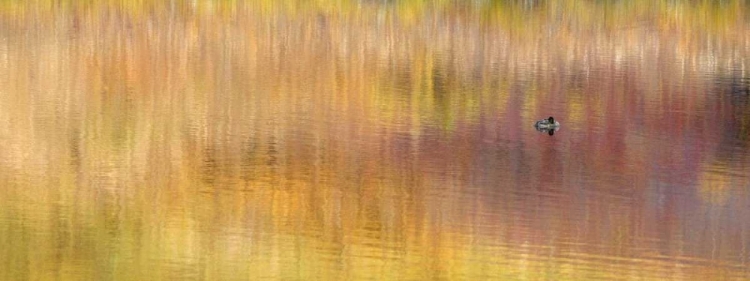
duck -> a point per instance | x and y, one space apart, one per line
548 123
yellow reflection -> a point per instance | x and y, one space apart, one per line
340 140
717 183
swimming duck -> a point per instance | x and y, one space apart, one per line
548 123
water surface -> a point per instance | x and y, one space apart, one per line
381 141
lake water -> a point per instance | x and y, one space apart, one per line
369 140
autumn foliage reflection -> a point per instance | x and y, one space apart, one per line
299 139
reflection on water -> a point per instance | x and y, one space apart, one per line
357 140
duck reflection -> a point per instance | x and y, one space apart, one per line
550 131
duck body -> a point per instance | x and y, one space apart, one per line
548 123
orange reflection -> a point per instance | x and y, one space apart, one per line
346 140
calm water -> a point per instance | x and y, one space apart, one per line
383 141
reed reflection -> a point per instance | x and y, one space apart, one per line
296 141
